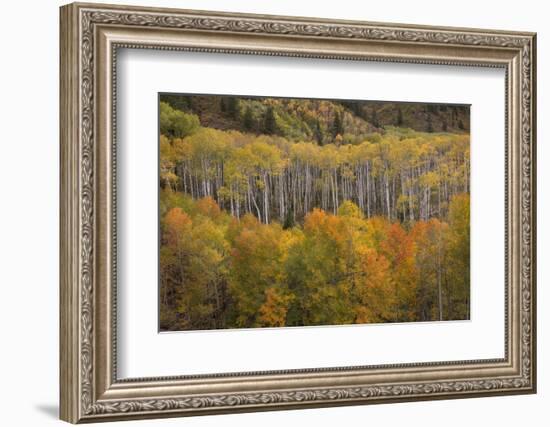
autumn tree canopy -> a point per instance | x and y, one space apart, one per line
261 228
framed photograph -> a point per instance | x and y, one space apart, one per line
265 212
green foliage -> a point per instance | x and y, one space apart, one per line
176 123
178 102
270 125
233 106
256 266
248 120
319 120
374 118
318 132
337 127
399 121
429 125
350 209
458 243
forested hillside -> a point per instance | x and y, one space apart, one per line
279 212
320 120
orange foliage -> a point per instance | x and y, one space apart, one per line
273 311
207 206
177 223
336 269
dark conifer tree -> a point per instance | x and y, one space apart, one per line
270 126
429 124
248 119
318 132
337 125
289 220
399 121
233 107
374 118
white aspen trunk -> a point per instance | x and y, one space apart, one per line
411 202
257 208
295 198
439 199
333 194
440 293
281 199
203 178
402 177
368 191
266 200
392 199
387 185
307 191
184 181
360 199
238 203
336 191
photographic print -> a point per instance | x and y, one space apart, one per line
282 212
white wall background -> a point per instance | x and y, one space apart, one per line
29 171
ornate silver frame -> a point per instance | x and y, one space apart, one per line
90 36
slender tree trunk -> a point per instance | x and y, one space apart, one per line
440 297
266 200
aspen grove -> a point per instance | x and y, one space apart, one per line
281 212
